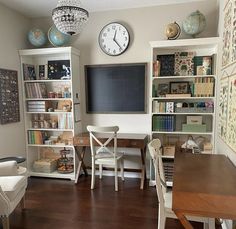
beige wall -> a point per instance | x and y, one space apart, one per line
13 28
144 24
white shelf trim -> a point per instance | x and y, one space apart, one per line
47 81
182 133
180 98
47 99
50 129
182 77
56 112
195 113
52 146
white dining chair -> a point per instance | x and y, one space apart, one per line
106 152
164 195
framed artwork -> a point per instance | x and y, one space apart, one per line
162 89
42 72
9 97
29 72
179 87
59 69
231 118
224 89
167 64
184 63
227 36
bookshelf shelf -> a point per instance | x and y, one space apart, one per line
160 113
181 77
183 88
51 99
47 99
182 133
51 129
46 81
183 98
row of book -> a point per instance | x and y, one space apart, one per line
162 107
35 90
203 87
65 121
163 123
168 169
182 64
36 137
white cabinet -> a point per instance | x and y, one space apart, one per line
51 96
183 91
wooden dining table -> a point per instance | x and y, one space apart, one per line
204 185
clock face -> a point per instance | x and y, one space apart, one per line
114 39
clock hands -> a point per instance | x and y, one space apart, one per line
114 39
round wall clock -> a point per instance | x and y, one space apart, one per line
114 39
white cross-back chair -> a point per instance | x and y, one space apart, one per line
164 196
12 190
106 152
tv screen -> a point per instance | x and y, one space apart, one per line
116 88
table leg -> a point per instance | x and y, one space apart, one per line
143 167
81 162
183 220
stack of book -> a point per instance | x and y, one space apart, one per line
36 90
168 165
163 123
38 106
163 107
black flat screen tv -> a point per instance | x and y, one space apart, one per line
116 88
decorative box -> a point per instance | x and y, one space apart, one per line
194 119
45 165
169 150
194 127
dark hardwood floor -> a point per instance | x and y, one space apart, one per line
60 204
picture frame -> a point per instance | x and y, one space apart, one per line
162 89
42 71
179 87
29 72
59 69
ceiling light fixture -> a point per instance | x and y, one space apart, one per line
69 17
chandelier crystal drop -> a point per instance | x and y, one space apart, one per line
69 17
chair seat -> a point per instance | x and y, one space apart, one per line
12 185
103 158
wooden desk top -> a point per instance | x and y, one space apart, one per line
123 140
204 185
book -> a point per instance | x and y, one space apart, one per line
167 63
184 64
202 65
156 68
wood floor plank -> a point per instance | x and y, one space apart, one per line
61 204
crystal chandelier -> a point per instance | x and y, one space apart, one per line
69 17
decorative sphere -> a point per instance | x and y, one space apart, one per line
194 24
37 37
56 37
172 31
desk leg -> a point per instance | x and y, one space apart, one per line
81 162
143 167
183 220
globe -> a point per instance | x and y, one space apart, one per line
56 37
37 37
194 24
172 31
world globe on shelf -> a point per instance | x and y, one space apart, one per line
194 24
172 31
37 37
57 38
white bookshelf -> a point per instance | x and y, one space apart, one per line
69 119
202 47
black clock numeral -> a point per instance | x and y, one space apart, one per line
126 38
114 51
113 27
108 29
104 34
120 49
102 40
124 32
104 46
124 45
